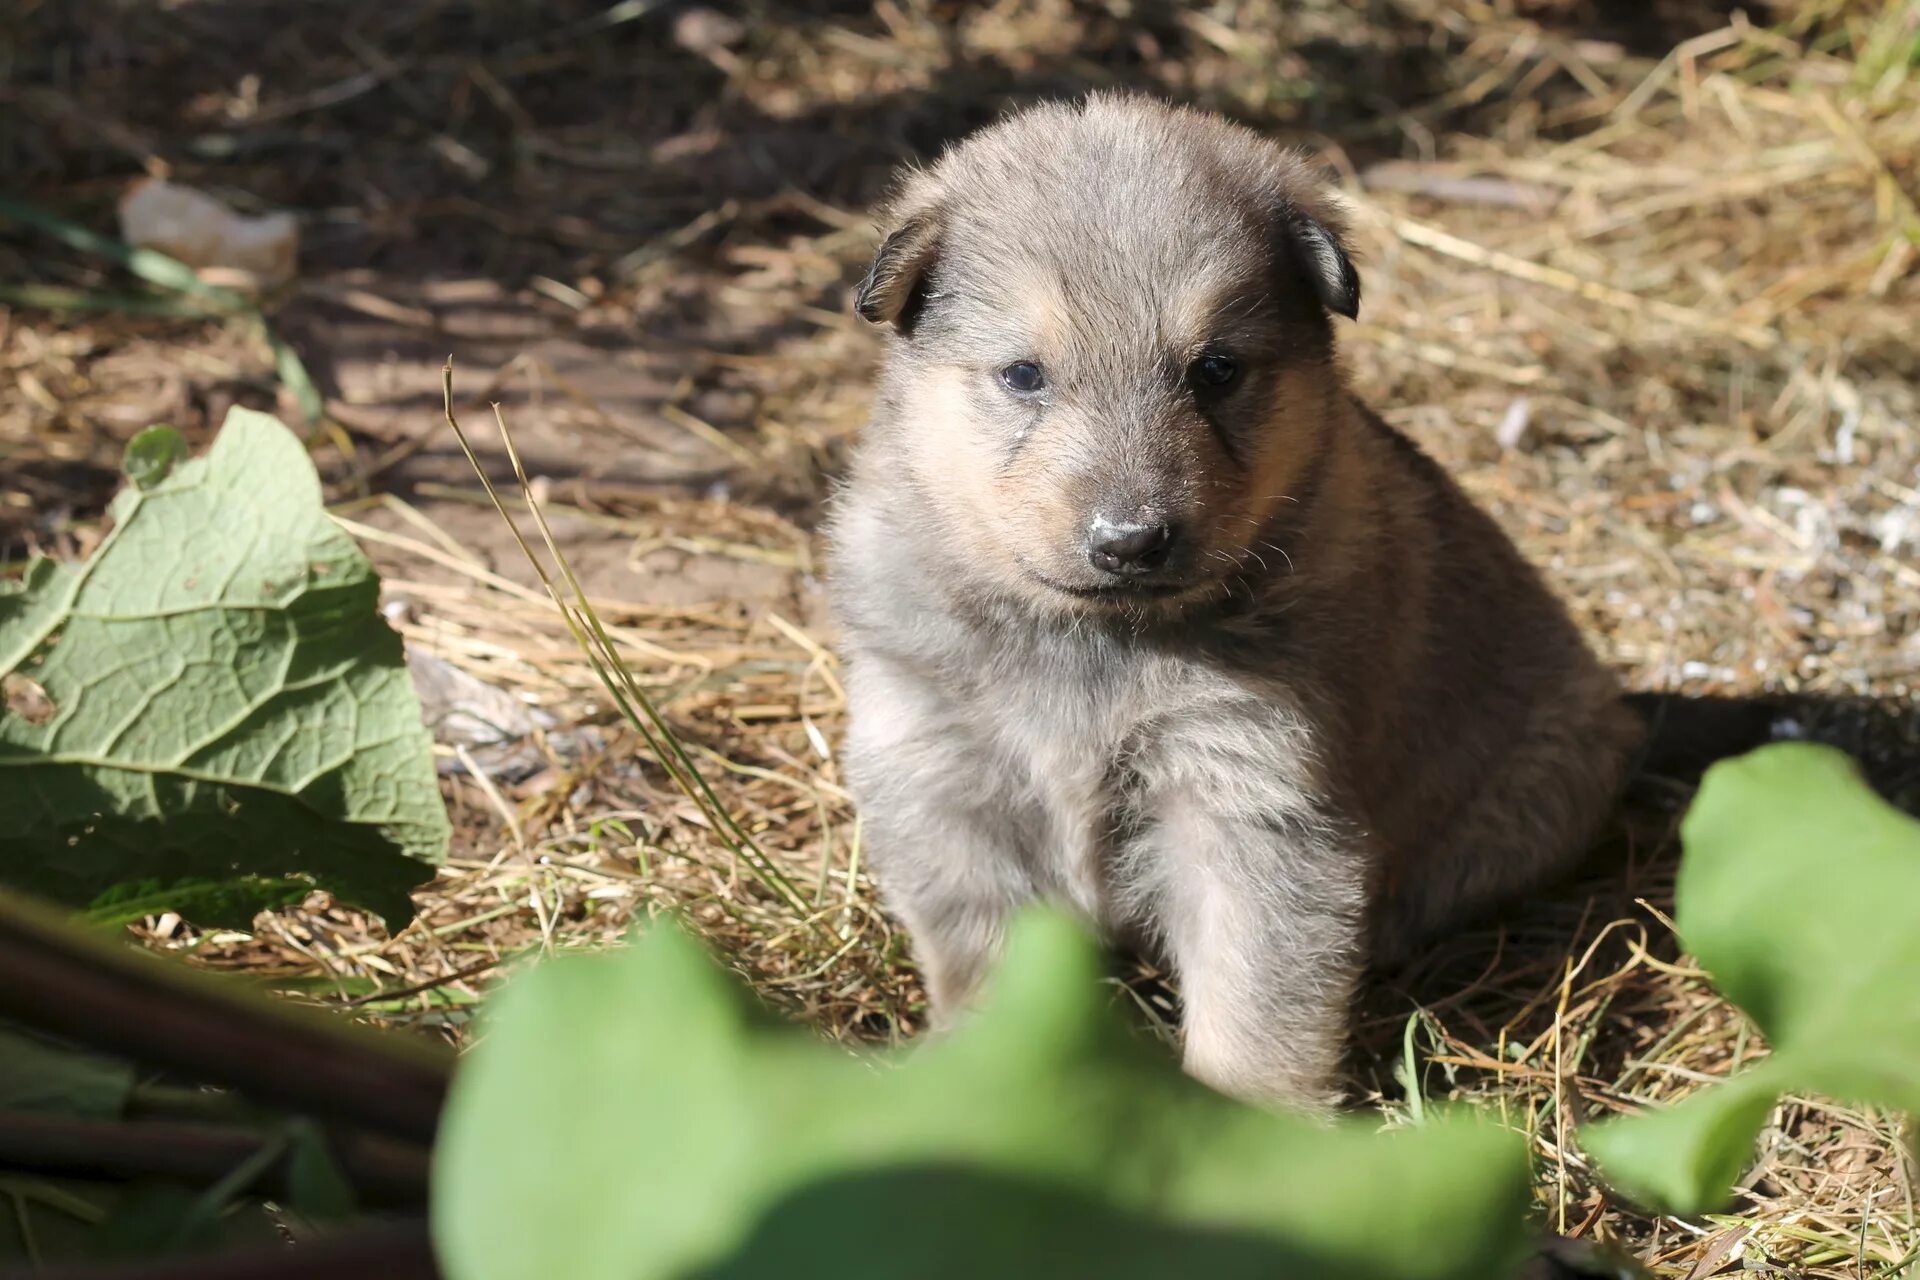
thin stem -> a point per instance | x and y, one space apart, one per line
629 698
89 989
383 1172
389 1250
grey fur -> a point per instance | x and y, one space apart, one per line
1345 715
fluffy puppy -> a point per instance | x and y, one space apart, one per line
1144 613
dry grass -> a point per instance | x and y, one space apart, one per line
1649 286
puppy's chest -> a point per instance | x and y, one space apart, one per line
1080 745
1062 747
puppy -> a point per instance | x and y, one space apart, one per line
1145 614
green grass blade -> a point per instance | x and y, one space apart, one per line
611 670
150 265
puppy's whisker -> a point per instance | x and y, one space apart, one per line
1283 555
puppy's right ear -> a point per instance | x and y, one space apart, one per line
1322 253
896 283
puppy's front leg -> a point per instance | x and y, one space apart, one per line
1264 923
939 826
950 889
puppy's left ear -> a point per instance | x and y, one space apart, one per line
1309 221
895 283
1322 257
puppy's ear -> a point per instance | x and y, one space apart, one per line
896 282
1321 255
1309 221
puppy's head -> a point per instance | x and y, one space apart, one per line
1112 354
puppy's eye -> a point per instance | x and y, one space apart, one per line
1023 376
1213 371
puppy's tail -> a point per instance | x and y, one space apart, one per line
1686 734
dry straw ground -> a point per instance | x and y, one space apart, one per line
1647 276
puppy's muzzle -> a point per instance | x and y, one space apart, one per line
1129 548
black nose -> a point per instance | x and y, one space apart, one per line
1129 549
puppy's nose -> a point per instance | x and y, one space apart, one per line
1129 548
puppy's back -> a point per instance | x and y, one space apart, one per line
1482 737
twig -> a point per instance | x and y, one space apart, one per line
96 992
383 1172
387 1250
1419 233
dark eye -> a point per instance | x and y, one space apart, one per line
1214 371
1023 376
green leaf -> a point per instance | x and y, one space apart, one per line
149 264
240 898
315 1185
48 1079
151 455
157 1219
293 375
1799 892
222 701
630 1115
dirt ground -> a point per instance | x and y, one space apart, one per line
1646 276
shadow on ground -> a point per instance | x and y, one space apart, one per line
557 195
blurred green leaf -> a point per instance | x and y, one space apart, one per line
293 375
236 900
219 702
53 297
152 1219
164 272
151 455
149 264
630 1115
45 1218
55 1220
315 1184
50 1079
1799 892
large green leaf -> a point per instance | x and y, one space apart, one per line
1799 893
629 1115
213 698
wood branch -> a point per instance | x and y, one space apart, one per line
388 1251
94 991
385 1173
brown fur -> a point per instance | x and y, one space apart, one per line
1342 714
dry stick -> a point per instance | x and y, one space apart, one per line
424 986
1453 246
387 1250
1559 1098
78 985
632 701
1907 205
383 1172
